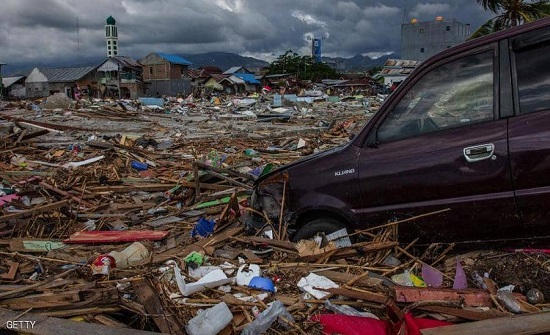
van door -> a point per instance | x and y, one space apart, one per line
441 145
530 130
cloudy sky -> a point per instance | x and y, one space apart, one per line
45 31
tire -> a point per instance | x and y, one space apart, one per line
312 228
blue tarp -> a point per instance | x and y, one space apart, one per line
247 77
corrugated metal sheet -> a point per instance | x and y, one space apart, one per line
174 59
68 74
8 81
401 63
233 70
128 62
218 76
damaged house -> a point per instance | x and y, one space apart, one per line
165 74
396 70
239 80
120 77
200 76
14 87
43 82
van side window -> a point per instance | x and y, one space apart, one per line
454 94
533 72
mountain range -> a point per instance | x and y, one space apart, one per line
223 60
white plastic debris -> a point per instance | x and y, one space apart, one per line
210 321
308 283
246 273
213 279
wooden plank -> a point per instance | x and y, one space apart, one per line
166 322
34 211
342 277
45 325
465 313
12 272
129 188
360 295
47 300
525 324
116 236
470 297
252 257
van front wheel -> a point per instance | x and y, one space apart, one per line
314 227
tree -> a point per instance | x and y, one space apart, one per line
511 13
304 67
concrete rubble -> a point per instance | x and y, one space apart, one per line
125 216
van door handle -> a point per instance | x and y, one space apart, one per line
479 152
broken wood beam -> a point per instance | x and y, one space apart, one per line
227 171
525 324
165 320
465 313
46 300
33 211
32 323
66 194
12 272
130 188
33 286
360 295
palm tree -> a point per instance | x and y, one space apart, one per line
511 13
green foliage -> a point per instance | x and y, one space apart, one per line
511 13
304 67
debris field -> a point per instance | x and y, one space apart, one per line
126 217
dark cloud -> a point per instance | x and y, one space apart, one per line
44 31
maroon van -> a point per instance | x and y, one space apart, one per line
468 130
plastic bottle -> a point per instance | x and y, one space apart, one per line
139 166
210 321
264 320
132 255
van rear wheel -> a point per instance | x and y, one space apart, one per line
317 226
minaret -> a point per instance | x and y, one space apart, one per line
111 35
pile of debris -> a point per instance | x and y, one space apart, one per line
122 217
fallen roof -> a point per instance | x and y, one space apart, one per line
128 62
8 81
66 74
174 59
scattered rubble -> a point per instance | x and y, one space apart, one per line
127 215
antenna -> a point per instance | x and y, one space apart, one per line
405 14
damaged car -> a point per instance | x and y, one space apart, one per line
467 131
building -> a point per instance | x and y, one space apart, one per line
120 77
43 82
421 40
201 75
111 37
165 74
14 87
237 69
240 83
396 70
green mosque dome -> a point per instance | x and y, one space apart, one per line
111 20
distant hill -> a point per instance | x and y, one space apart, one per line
223 60
358 62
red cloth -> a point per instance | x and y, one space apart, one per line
356 325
